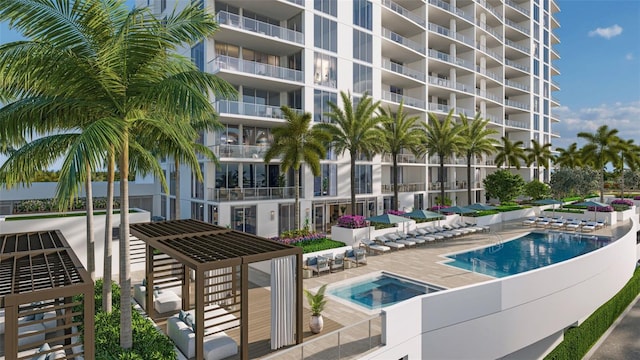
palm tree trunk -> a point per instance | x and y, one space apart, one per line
353 182
296 204
441 180
126 338
395 181
177 180
469 180
91 241
108 236
601 184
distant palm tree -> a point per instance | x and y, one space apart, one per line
601 149
442 139
297 142
478 141
630 156
539 154
510 153
353 130
399 132
570 157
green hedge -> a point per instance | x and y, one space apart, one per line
319 245
578 340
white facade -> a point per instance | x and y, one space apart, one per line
492 57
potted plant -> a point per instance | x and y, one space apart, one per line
317 303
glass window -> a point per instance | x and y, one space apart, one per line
546 125
197 187
327 183
546 55
325 72
363 179
197 55
536 67
546 107
362 46
326 6
362 13
227 50
320 104
546 38
244 218
197 211
536 12
536 122
362 78
286 218
325 34
536 31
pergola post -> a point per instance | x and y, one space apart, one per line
151 311
89 342
199 314
11 335
186 280
299 299
244 312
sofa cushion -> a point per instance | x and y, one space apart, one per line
312 261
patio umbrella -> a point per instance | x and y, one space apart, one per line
481 207
457 210
387 219
553 202
595 205
423 214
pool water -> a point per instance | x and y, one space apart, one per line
531 251
381 291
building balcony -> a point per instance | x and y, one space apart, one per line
410 187
517 7
251 194
496 12
450 34
227 63
490 52
450 185
240 151
488 95
434 80
439 107
516 26
403 159
516 124
397 38
493 119
516 104
489 74
249 109
259 27
514 64
517 85
408 100
396 8
438 55
490 30
452 9
515 45
402 70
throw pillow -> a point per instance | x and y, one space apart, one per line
43 348
39 316
189 319
182 315
312 261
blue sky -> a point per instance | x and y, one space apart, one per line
599 67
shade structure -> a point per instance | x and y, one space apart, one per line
595 205
553 202
387 219
423 214
480 207
457 210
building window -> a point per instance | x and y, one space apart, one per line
163 5
197 187
197 55
362 13
286 217
362 46
327 183
536 12
325 70
326 6
546 72
536 67
321 101
197 211
244 218
546 127
325 34
362 78
536 122
364 179
546 107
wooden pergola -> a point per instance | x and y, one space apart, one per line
39 277
220 258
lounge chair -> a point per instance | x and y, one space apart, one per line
372 247
589 227
419 238
382 240
530 222
601 223
427 233
573 225
544 222
318 264
482 228
464 229
401 240
439 232
443 230
337 263
356 256
558 224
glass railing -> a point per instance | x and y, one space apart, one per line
400 69
516 85
404 12
260 27
449 84
240 151
488 95
514 64
402 159
248 109
251 67
516 26
252 193
452 9
517 46
516 104
410 187
448 33
490 30
397 98
488 73
490 52
297 2
517 7
439 107
515 123
491 9
494 119
386 33
450 59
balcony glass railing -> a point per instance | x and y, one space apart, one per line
516 26
494 119
260 27
452 9
439 107
400 69
410 187
514 44
488 95
448 33
450 59
516 85
516 104
402 159
397 98
255 68
488 73
248 109
449 84
491 9
517 7
404 12
514 64
515 123
253 193
240 151
490 30
388 34
490 52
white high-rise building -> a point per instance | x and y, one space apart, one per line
489 56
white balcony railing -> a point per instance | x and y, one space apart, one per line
439 107
488 73
517 7
516 104
435 54
514 44
452 9
517 124
223 62
514 64
404 12
397 98
489 95
491 53
249 109
400 69
451 34
251 194
516 26
516 85
260 27
388 34
490 30
493 10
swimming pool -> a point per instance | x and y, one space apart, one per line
531 251
381 290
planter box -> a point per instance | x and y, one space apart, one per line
627 214
350 236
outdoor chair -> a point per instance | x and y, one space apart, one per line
529 222
601 223
482 228
559 224
356 256
318 264
430 231
382 240
420 240
444 230
544 222
401 240
573 225
589 226
372 247
466 230
337 263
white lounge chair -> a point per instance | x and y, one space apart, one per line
382 240
529 222
371 246
589 227
426 232
401 240
573 225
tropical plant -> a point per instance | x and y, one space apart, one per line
316 301
537 190
297 142
568 182
399 132
442 139
570 157
601 149
478 141
353 130
503 185
112 72
630 156
539 154
510 153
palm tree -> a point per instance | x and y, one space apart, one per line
511 153
478 141
442 139
601 149
539 154
353 130
100 63
297 142
570 157
630 156
399 132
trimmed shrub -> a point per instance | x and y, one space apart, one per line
319 245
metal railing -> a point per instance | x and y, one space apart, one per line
404 12
259 193
493 10
388 34
494 119
346 343
515 123
452 185
403 159
488 95
488 73
439 107
491 53
297 2
516 104
491 31
448 33
516 26
240 151
397 98
452 9
400 69
251 67
450 59
260 27
514 64
249 109
411 187
516 85
513 44
517 7
450 84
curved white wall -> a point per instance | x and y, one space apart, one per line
496 318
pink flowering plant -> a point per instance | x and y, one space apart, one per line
637 197
622 202
600 208
396 212
294 237
352 221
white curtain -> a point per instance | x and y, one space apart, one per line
283 301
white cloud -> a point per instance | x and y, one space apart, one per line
607 32
629 56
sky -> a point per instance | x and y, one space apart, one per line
599 67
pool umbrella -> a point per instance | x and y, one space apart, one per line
595 205
553 202
387 219
423 214
457 210
481 207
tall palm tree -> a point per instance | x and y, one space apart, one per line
97 61
297 142
510 153
629 156
539 154
442 139
570 157
399 132
353 130
601 149
478 141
